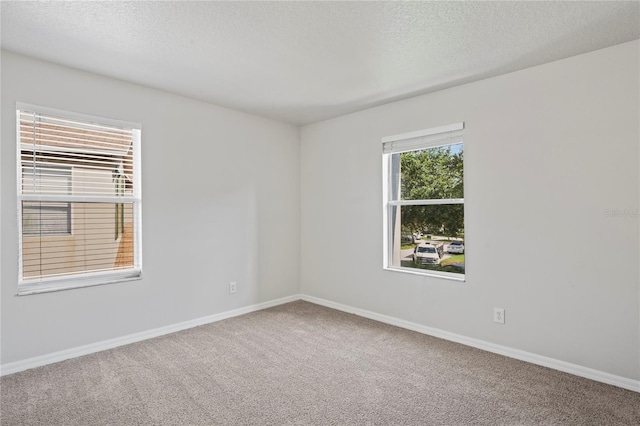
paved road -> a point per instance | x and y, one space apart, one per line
407 254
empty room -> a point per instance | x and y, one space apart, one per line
259 213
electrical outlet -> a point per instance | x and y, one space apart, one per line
232 288
498 315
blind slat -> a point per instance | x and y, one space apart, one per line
431 138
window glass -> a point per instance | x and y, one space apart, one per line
424 216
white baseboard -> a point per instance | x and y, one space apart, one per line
577 370
544 361
17 366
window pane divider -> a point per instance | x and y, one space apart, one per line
426 202
78 198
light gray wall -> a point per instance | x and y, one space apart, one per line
220 204
547 151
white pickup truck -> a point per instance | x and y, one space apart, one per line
428 253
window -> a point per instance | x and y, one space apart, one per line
48 218
424 202
79 200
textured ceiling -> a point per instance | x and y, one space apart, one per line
302 62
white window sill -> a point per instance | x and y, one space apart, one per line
59 284
427 273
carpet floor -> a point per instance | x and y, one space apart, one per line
303 364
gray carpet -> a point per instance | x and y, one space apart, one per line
303 364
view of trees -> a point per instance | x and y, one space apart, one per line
434 173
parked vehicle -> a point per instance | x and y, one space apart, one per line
428 253
455 247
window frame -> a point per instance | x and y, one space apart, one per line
406 142
27 286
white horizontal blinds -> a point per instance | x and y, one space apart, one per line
93 246
95 153
80 195
431 138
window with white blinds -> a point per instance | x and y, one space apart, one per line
79 200
423 188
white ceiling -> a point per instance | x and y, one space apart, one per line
302 62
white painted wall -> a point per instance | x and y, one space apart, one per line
547 151
220 204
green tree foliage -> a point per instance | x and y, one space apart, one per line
435 173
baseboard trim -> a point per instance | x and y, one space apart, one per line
38 361
577 370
